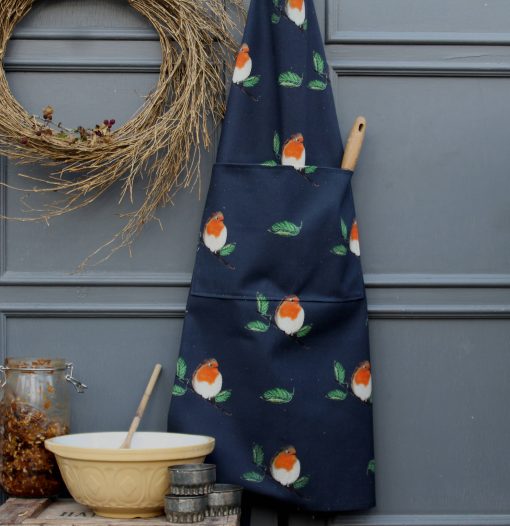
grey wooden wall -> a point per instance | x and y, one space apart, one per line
432 194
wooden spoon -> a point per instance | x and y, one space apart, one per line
141 408
354 144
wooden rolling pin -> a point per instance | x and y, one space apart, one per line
354 144
141 408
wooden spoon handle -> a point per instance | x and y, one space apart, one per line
141 408
354 144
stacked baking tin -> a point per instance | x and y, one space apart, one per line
194 495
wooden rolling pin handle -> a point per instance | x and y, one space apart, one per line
354 144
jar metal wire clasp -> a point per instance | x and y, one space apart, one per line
79 386
3 376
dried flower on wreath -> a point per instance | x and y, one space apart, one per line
46 126
161 142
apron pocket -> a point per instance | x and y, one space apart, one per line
281 386
276 231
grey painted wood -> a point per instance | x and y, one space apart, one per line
411 22
61 248
437 435
431 191
77 14
419 189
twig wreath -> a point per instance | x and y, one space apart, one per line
160 143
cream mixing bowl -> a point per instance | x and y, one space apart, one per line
124 483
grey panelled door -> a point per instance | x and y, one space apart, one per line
432 195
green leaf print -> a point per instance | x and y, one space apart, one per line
371 466
227 250
270 163
252 81
262 304
317 85
286 229
305 24
318 63
276 144
337 394
275 17
339 250
343 227
253 476
289 79
177 390
257 326
339 372
310 169
278 395
181 369
258 455
223 396
304 331
301 482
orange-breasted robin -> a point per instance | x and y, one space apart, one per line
295 10
243 65
290 316
361 382
354 239
294 153
207 379
214 235
285 466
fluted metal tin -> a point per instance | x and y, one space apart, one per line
192 479
185 509
225 499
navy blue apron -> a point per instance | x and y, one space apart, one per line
274 358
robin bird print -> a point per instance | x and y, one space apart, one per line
354 239
295 11
207 379
215 233
290 316
361 382
294 153
243 65
285 466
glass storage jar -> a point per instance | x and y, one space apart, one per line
35 405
